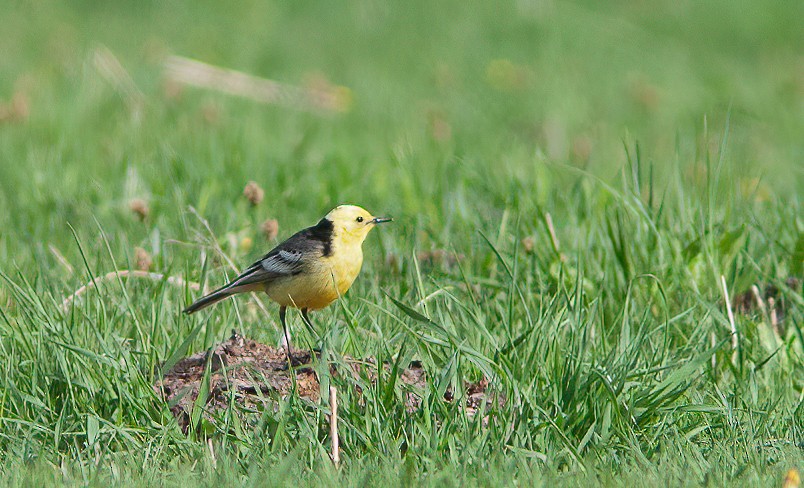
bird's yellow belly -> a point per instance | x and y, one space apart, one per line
317 287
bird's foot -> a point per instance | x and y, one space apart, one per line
296 357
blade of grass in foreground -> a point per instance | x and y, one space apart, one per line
181 351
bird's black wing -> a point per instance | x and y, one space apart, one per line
288 258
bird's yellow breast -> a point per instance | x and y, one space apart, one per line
322 282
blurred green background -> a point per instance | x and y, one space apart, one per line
447 98
488 90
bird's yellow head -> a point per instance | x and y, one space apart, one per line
352 224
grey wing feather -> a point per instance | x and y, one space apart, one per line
287 259
272 266
283 262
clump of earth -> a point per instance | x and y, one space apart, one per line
254 375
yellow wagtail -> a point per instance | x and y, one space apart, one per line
308 271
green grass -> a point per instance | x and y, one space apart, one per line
662 140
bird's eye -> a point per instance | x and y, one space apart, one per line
360 219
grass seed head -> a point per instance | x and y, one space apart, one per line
581 148
270 229
253 193
246 243
439 128
140 208
143 259
16 110
528 244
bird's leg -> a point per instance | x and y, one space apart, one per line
307 320
282 311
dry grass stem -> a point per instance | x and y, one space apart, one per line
333 426
110 68
735 342
202 75
173 280
60 258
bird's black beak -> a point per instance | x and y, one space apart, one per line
380 220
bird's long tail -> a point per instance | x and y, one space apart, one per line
210 299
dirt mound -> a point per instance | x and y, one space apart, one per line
254 374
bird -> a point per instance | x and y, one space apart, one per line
308 271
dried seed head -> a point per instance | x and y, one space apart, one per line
20 105
16 110
528 244
253 192
246 244
140 208
440 129
643 92
270 228
581 148
143 259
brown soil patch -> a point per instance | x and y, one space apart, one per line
254 375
